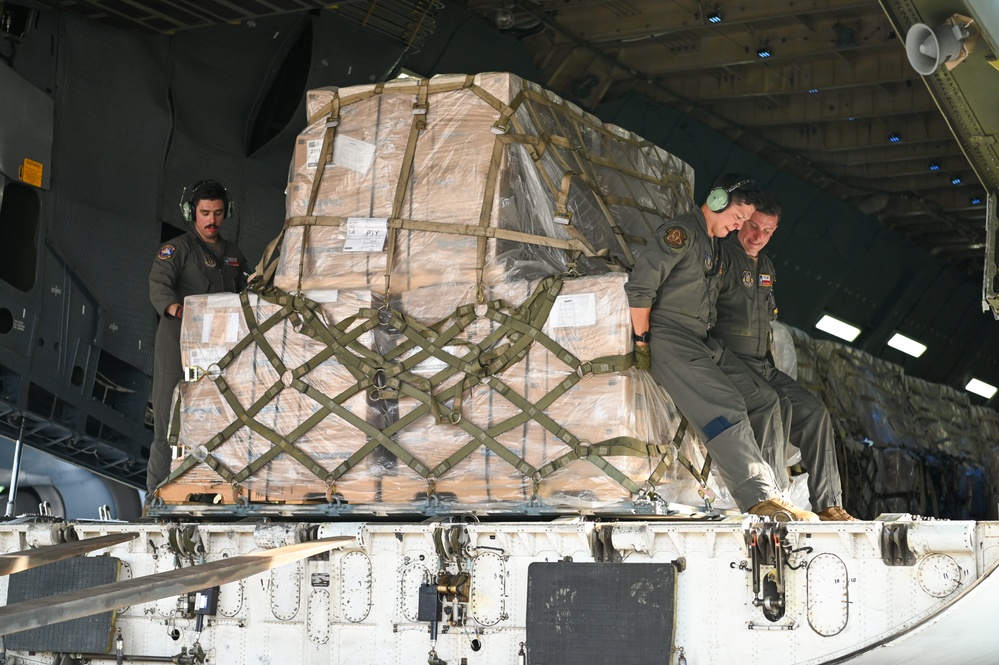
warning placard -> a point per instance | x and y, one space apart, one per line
31 172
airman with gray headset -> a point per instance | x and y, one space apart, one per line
199 261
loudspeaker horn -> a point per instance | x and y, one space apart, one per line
927 48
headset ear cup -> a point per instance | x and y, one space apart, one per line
185 211
718 199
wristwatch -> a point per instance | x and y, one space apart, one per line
645 337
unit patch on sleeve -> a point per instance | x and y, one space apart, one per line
766 280
675 237
166 252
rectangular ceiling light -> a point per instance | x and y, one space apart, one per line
840 329
906 345
980 388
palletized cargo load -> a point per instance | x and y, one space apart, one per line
531 402
476 228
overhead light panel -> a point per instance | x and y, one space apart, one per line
812 91
976 200
841 329
956 180
980 388
894 138
906 345
934 166
714 17
763 52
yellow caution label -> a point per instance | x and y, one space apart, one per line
31 172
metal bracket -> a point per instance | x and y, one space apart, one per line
895 545
767 544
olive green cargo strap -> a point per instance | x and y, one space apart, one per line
701 476
327 405
667 459
577 243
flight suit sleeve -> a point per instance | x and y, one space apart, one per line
654 265
164 276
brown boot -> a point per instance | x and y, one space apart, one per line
836 514
782 511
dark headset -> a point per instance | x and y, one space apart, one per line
720 198
187 202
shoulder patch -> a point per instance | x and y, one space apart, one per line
675 237
166 252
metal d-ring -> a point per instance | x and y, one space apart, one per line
585 370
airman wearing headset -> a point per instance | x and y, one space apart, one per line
199 261
671 313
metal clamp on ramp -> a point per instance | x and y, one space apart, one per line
895 549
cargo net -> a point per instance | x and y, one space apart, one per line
904 445
443 316
296 399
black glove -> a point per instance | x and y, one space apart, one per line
643 357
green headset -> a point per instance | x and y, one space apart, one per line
720 198
197 189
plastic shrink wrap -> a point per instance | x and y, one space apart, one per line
463 166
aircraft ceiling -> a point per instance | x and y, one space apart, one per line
835 101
